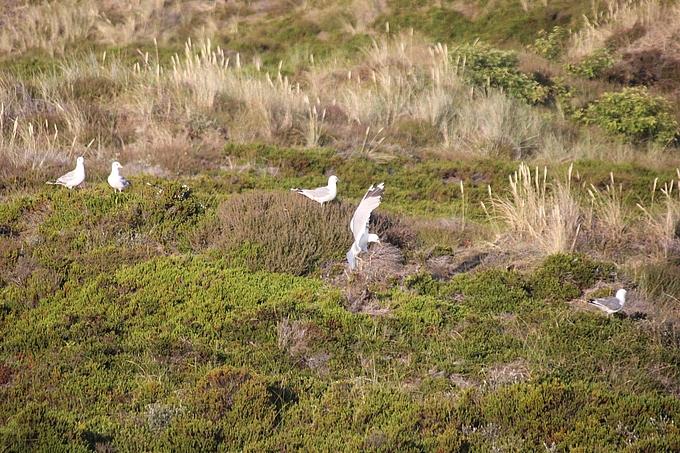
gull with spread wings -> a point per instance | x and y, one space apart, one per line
359 223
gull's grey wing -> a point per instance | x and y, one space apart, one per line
610 303
371 200
317 193
68 177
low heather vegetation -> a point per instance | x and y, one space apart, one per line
209 308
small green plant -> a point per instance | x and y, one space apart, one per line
565 276
551 45
593 65
487 66
634 115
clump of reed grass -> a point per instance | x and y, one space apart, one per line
662 224
546 215
608 215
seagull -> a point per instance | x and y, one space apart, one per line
116 180
359 223
611 304
73 178
321 194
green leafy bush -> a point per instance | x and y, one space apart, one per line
565 276
551 45
633 114
487 66
593 65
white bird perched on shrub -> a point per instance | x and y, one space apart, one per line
611 304
359 223
73 178
321 194
116 180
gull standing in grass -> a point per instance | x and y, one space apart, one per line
611 304
116 180
359 223
321 194
73 178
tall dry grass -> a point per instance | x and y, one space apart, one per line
618 17
662 219
608 216
538 212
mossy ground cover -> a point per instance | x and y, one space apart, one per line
129 323
187 352
213 309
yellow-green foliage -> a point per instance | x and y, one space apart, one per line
188 353
633 114
484 65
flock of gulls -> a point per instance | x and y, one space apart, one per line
358 225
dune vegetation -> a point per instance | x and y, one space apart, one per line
531 158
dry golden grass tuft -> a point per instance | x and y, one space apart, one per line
662 223
544 214
620 16
607 217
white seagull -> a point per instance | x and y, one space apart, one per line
321 194
359 223
73 178
116 180
611 304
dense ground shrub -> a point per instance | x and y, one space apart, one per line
565 276
283 232
593 65
633 114
488 66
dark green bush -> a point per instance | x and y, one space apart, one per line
632 114
565 276
593 65
488 66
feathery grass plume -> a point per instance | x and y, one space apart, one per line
619 16
663 224
608 217
492 124
544 214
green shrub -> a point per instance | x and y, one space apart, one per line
565 276
283 232
633 114
488 66
593 65
551 45
491 290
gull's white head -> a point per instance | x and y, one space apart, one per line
116 166
333 179
621 295
80 160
